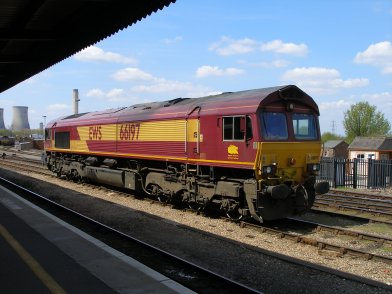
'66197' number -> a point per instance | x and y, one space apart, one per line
129 132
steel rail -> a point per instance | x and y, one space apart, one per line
356 217
341 231
318 204
359 194
360 201
340 250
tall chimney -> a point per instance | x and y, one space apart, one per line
76 101
2 126
20 120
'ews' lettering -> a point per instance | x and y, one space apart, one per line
129 132
94 133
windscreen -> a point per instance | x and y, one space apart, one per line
304 126
277 126
274 126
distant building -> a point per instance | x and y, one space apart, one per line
20 120
335 148
2 126
371 148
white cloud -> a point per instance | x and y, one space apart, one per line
383 101
164 86
278 63
132 73
333 105
379 55
148 83
376 99
6 102
333 111
57 107
56 110
384 97
278 46
173 40
321 80
94 53
95 93
201 92
112 94
227 46
208 70
115 93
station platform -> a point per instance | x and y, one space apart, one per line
40 253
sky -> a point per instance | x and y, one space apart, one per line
337 51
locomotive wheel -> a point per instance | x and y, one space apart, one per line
234 214
58 173
232 209
195 206
156 191
163 198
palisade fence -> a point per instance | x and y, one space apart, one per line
356 173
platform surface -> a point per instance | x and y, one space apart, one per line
40 253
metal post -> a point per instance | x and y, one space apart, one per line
355 173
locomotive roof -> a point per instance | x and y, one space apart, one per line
228 103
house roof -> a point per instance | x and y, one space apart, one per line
330 144
372 143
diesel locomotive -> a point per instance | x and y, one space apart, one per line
251 153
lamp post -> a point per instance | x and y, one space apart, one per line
43 158
43 128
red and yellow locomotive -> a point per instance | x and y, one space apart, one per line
250 153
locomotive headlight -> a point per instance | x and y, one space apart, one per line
312 167
269 170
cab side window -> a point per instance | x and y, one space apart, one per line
235 128
232 129
62 140
48 134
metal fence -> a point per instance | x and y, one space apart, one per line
356 173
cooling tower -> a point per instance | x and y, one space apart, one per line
20 120
2 126
76 101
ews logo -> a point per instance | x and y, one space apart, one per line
94 133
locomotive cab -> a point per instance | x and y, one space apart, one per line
287 160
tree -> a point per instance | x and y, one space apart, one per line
362 119
327 136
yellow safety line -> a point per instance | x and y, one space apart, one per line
36 268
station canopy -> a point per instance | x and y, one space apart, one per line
36 34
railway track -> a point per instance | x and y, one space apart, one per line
282 233
27 166
188 274
369 206
359 195
292 229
